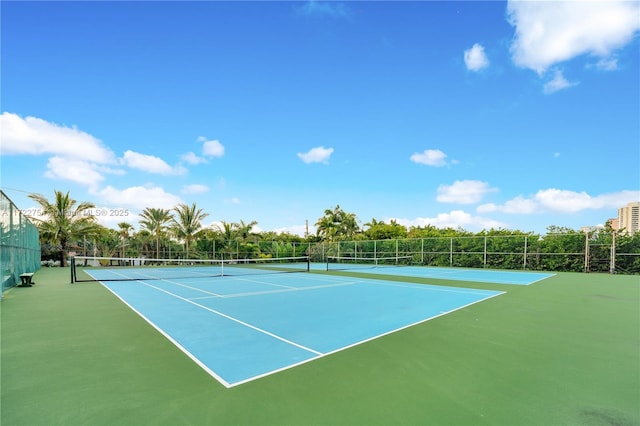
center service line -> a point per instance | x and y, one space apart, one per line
275 336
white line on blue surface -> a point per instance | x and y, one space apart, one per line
246 324
210 293
290 289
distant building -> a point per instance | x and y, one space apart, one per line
586 229
629 218
613 223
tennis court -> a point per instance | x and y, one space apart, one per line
562 351
240 328
394 266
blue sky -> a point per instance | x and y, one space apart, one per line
517 115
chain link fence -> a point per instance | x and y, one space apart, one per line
575 252
19 243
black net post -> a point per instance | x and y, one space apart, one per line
72 263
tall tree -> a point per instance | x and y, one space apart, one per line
66 220
141 242
382 231
337 224
156 221
244 230
228 233
188 223
227 229
107 241
124 229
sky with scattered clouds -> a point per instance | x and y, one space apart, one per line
518 115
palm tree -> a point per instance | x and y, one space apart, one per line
124 228
349 225
65 221
243 231
336 224
228 232
188 224
155 220
326 227
142 240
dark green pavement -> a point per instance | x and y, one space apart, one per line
564 351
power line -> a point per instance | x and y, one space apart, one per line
5 188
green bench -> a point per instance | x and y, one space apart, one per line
26 280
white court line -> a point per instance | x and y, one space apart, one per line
232 278
317 353
246 324
196 275
235 278
363 341
171 339
179 284
340 281
430 287
289 290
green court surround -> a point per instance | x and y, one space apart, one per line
561 351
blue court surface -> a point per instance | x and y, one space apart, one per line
456 274
245 327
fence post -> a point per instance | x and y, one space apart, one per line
451 252
485 252
586 251
612 261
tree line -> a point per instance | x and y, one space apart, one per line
68 226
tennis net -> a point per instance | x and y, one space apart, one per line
337 263
85 268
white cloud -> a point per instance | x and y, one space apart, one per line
76 156
453 219
430 157
561 201
558 82
548 33
300 230
35 136
518 205
150 164
475 59
216 224
138 197
607 64
316 155
195 189
74 170
192 158
211 148
464 192
565 201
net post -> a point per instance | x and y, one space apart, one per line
72 265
